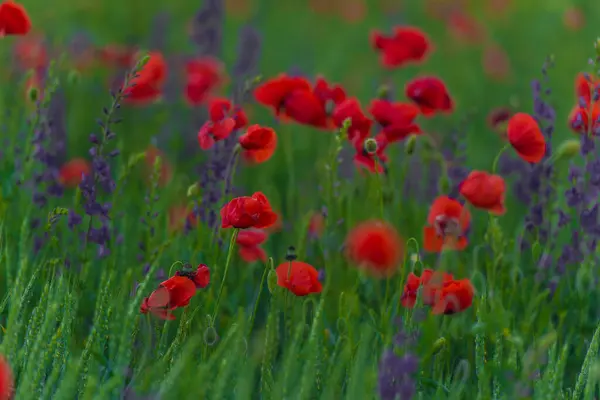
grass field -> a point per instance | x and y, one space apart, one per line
136 265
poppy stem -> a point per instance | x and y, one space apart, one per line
227 262
268 267
172 266
497 159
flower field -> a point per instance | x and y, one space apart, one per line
250 199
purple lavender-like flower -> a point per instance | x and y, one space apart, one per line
207 28
100 182
395 380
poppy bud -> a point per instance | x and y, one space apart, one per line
291 254
143 61
383 92
272 281
33 93
597 46
73 77
370 146
193 190
410 144
568 149
439 345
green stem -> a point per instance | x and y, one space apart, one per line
227 262
497 159
268 267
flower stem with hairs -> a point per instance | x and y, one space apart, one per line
227 262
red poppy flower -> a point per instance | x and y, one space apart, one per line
360 124
199 276
71 174
299 278
13 19
372 161
221 108
396 119
304 107
375 246
249 242
173 293
6 380
203 76
484 191
447 222
179 216
259 144
429 280
277 226
526 138
30 52
453 297
430 95
166 171
406 45
579 120
583 89
147 86
273 92
224 119
248 212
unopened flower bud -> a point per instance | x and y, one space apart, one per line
370 146
439 345
410 144
568 148
383 92
193 190
33 93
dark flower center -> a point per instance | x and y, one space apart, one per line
446 226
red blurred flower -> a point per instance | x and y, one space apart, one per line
147 86
429 280
429 93
484 191
179 216
71 173
495 62
249 242
372 161
173 293
13 19
406 45
30 52
360 126
248 212
447 222
526 138
6 379
299 278
579 118
574 19
200 276
465 28
166 171
224 119
203 76
375 246
259 144
277 226
396 119
453 297
116 56
498 118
